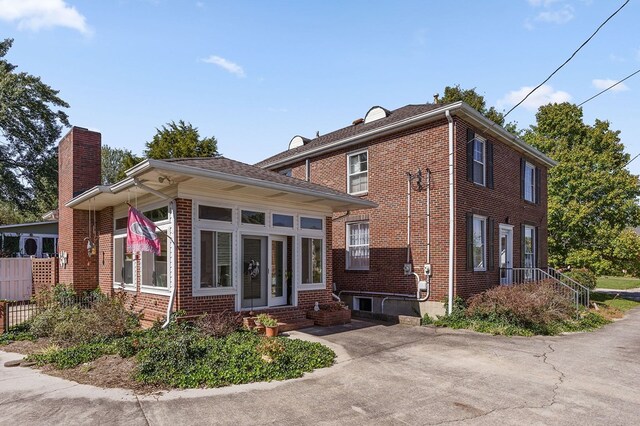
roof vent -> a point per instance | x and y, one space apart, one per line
376 113
297 141
358 121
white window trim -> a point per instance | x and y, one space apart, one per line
528 166
484 242
311 286
483 162
349 174
215 291
348 266
122 235
170 255
533 244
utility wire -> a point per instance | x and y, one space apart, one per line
570 58
628 162
608 88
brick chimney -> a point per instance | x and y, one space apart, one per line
78 170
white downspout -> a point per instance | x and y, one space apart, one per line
408 217
451 213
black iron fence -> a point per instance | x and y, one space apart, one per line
18 312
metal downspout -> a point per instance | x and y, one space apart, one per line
451 212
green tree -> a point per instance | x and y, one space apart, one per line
115 162
30 126
180 140
592 196
477 102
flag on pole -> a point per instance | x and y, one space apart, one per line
141 233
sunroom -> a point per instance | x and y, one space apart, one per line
233 236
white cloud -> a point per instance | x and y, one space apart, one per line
604 83
558 16
226 65
544 95
43 14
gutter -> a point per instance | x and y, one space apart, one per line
195 171
424 118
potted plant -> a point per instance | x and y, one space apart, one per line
270 324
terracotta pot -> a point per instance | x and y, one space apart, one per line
271 331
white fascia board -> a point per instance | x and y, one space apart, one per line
88 194
423 118
211 174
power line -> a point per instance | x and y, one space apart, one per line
628 162
570 58
608 88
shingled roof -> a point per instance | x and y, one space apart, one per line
353 130
237 168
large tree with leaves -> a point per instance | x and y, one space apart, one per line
115 162
30 124
476 101
593 198
180 140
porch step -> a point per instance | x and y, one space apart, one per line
295 325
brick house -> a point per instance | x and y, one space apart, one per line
217 216
461 202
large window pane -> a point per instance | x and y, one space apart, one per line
214 213
529 182
215 259
357 174
479 243
312 251
478 161
358 245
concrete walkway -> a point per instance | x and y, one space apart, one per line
385 375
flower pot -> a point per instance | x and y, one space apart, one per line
271 331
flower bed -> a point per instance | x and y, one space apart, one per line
330 314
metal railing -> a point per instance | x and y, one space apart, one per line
21 311
561 283
583 292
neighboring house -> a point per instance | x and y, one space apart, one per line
461 202
218 217
35 239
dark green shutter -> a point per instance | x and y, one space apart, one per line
522 173
491 223
538 179
469 242
489 165
470 136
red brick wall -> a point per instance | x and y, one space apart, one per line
503 201
78 171
105 250
390 158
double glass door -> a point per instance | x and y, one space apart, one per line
264 275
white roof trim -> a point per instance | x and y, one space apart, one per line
414 121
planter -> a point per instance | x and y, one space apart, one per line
249 322
324 318
271 331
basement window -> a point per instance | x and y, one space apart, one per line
363 304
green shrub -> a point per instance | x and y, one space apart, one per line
584 277
72 356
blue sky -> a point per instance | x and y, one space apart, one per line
255 73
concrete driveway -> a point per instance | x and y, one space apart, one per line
385 375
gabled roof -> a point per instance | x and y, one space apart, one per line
400 119
350 131
151 174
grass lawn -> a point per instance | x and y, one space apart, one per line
614 302
618 283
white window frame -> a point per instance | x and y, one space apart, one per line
483 163
349 246
145 257
529 173
212 291
532 230
350 175
316 235
483 242
133 286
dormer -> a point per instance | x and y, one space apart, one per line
376 113
297 141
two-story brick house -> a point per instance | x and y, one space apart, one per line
460 202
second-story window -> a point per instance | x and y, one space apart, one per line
529 182
479 160
357 173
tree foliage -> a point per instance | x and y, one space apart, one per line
30 126
592 196
115 162
477 102
180 140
